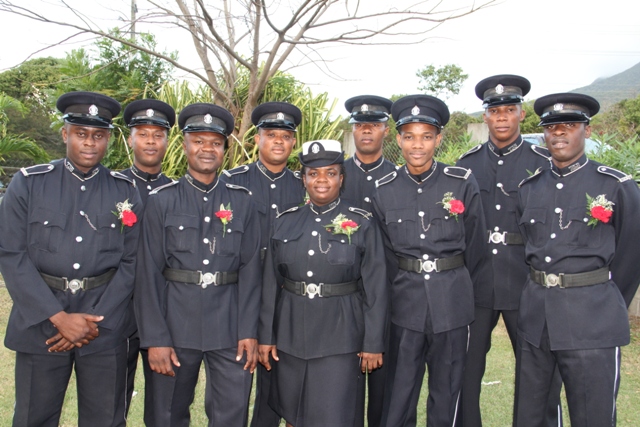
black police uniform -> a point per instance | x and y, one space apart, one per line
498 172
58 222
574 322
359 185
317 380
154 113
435 257
198 286
273 193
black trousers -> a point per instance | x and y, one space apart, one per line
444 356
263 415
228 389
481 329
133 348
591 380
42 380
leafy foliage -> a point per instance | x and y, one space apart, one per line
443 81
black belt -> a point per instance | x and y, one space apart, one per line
75 285
216 278
505 238
437 265
321 289
562 280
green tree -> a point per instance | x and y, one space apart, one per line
531 119
443 81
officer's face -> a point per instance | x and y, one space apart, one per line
504 123
205 153
418 142
275 146
86 146
323 183
149 144
565 142
368 137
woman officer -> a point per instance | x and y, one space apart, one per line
324 299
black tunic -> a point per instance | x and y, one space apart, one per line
57 220
552 213
414 225
146 182
360 180
181 231
301 249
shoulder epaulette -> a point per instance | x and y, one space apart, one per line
37 169
457 172
235 171
162 187
297 174
237 187
541 151
619 175
529 178
473 150
293 209
366 214
386 179
123 177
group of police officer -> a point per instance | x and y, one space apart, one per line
386 271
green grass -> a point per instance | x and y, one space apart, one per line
496 400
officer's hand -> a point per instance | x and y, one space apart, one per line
78 328
370 361
60 344
162 360
264 352
250 345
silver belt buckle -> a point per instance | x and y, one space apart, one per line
497 238
551 280
74 285
206 279
311 290
429 265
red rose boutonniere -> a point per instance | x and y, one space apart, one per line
125 214
599 209
342 225
454 206
226 215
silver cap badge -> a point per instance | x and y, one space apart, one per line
150 112
280 116
415 111
499 89
558 107
93 110
208 119
364 107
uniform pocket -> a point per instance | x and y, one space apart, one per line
181 232
341 252
443 227
111 233
534 221
230 241
46 228
402 227
288 246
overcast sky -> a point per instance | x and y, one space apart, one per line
558 45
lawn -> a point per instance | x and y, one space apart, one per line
497 392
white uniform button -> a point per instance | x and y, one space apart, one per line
419 190
318 220
83 188
82 213
500 162
314 233
499 185
148 187
422 236
425 256
547 259
496 229
79 239
495 251
559 186
205 261
421 214
273 186
207 219
446 170
369 178
76 266
399 219
309 273
113 225
285 240
366 199
558 210
205 198
205 240
181 228
427 277
273 206
46 222
311 252
228 230
497 207
553 235
532 221
585 219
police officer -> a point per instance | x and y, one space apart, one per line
68 238
435 236
324 299
150 121
579 224
198 280
275 189
499 165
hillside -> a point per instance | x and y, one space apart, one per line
614 89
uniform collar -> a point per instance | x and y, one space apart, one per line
205 188
78 173
266 172
145 176
574 167
367 167
321 210
419 179
506 150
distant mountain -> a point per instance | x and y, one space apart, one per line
611 90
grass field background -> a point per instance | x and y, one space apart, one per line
497 390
